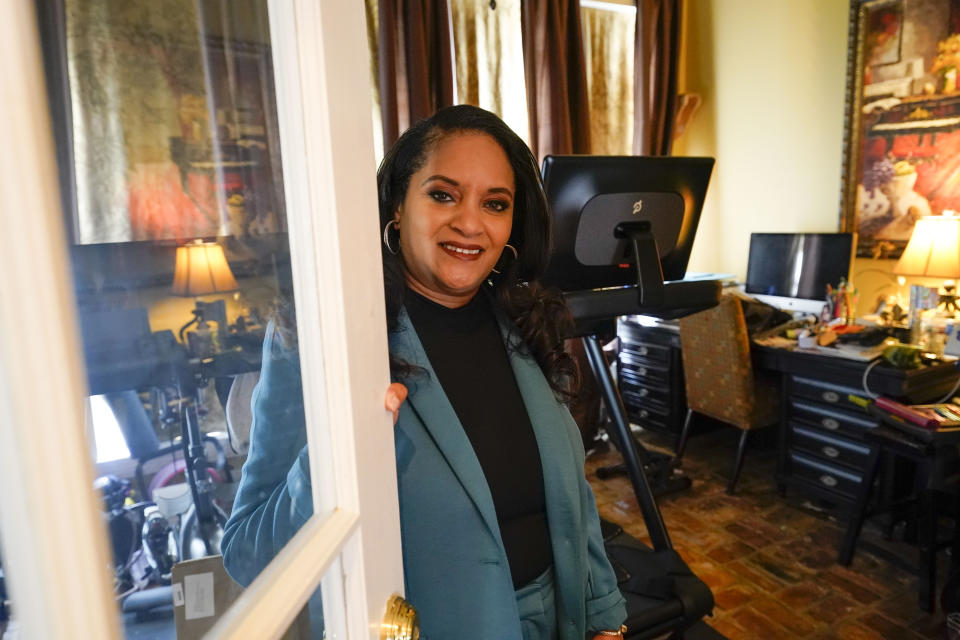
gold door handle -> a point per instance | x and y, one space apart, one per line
400 622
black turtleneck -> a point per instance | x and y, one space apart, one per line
467 352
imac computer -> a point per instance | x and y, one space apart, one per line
792 270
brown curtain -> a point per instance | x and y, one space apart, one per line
415 62
556 77
656 57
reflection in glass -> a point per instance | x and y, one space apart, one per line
5 607
167 138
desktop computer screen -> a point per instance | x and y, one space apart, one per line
792 270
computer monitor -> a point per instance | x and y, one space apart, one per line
792 270
590 195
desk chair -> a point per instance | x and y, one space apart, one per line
719 376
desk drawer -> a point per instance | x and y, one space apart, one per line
639 369
645 398
824 392
649 387
828 448
827 476
830 419
649 416
646 351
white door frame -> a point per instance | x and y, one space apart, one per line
54 544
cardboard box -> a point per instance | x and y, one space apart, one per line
202 592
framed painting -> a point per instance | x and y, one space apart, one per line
902 129
164 131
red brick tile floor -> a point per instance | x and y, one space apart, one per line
771 561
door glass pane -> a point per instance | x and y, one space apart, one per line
168 144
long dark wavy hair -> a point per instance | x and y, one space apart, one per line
539 313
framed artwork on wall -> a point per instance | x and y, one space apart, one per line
164 120
902 129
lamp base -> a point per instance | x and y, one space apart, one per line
202 342
949 299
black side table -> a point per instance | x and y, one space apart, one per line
937 463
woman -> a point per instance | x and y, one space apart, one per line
500 532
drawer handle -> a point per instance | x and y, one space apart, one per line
644 393
644 413
828 480
642 371
831 396
830 423
831 452
643 351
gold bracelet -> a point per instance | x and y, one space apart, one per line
614 634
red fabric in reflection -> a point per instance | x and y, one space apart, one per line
160 209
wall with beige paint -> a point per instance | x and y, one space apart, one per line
771 75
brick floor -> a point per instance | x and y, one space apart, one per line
771 560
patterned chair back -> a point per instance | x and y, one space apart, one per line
716 363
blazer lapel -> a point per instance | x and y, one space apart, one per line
432 406
557 458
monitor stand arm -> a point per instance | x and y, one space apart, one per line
647 257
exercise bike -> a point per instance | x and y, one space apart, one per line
143 542
201 525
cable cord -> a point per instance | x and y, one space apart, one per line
952 391
866 372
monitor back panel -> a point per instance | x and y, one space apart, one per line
590 195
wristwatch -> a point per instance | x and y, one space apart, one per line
612 634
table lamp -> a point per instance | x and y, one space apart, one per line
201 268
934 252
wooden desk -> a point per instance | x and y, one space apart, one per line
823 450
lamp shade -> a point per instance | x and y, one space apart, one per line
201 268
933 249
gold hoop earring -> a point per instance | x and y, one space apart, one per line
386 236
515 256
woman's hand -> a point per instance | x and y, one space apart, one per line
396 394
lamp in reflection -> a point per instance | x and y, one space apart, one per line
934 252
201 268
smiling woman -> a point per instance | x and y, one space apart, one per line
499 528
539 314
454 225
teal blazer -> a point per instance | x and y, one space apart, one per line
455 566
